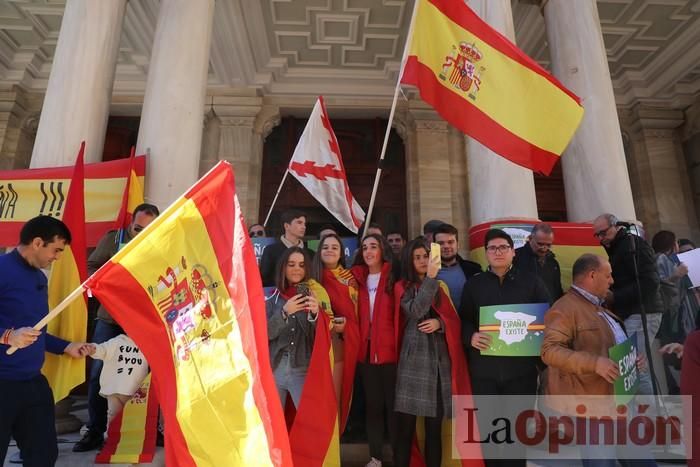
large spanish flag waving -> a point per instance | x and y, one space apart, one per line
187 290
67 273
485 86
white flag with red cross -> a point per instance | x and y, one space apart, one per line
318 165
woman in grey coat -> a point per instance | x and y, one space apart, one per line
423 383
292 312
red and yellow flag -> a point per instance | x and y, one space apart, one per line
187 291
131 435
485 86
31 192
67 273
314 435
133 194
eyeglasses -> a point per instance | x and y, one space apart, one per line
500 249
601 233
257 233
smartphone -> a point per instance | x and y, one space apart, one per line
303 289
339 320
435 252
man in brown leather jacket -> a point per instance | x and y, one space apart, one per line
578 333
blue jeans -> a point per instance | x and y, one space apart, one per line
97 405
634 324
289 380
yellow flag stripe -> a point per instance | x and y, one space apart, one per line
64 373
540 105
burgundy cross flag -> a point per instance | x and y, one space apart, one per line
318 165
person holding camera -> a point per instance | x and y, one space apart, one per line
292 314
431 358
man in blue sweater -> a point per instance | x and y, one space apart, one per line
26 401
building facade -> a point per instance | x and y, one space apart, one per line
195 82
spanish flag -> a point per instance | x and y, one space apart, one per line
485 86
131 435
187 290
67 273
314 435
133 194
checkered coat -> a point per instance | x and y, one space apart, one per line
424 358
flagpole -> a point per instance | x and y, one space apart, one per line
267 218
55 312
409 37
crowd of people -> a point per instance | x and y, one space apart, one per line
411 322
403 323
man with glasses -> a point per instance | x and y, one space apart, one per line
256 230
500 284
105 326
536 258
634 271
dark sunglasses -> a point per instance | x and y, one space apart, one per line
257 233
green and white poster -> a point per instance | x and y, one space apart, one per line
515 330
625 355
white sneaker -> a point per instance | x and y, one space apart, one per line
373 462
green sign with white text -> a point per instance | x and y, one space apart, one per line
625 355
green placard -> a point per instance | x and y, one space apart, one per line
625 355
515 330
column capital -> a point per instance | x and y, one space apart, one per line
267 119
643 118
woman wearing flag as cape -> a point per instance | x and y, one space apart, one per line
299 320
378 330
432 367
329 269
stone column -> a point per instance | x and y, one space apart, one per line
498 188
173 108
430 168
78 95
662 195
595 175
13 112
235 132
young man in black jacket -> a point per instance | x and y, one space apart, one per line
500 284
536 258
294 225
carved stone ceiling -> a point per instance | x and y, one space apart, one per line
352 47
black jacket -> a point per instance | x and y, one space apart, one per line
268 261
623 251
485 289
527 261
469 268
